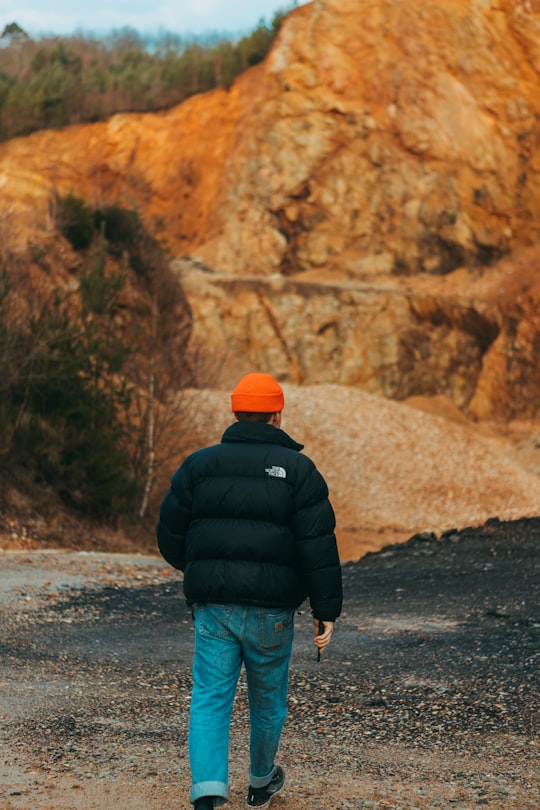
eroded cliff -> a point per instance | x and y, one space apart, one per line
362 208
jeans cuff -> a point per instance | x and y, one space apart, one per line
261 781
201 789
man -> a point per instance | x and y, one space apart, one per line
250 524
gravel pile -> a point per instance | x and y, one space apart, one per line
427 698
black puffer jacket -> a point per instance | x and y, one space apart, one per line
249 521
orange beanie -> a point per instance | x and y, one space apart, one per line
257 393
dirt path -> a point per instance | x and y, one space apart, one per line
428 697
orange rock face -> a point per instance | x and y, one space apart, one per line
378 164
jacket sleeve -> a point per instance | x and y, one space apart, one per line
174 520
318 559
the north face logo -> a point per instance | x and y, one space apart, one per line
276 472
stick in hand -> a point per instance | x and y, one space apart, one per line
321 630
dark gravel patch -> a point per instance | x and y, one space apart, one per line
436 653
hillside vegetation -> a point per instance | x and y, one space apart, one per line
84 362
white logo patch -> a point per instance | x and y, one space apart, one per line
276 472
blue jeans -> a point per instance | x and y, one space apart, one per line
226 636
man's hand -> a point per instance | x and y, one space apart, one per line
323 633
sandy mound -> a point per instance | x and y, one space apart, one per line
391 468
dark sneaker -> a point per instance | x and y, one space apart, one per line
261 797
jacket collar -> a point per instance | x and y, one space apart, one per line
259 432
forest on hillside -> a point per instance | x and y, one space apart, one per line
89 364
52 82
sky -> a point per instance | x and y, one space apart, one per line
183 17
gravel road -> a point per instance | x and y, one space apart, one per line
427 698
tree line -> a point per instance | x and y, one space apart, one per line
54 81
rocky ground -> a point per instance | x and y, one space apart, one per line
427 698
